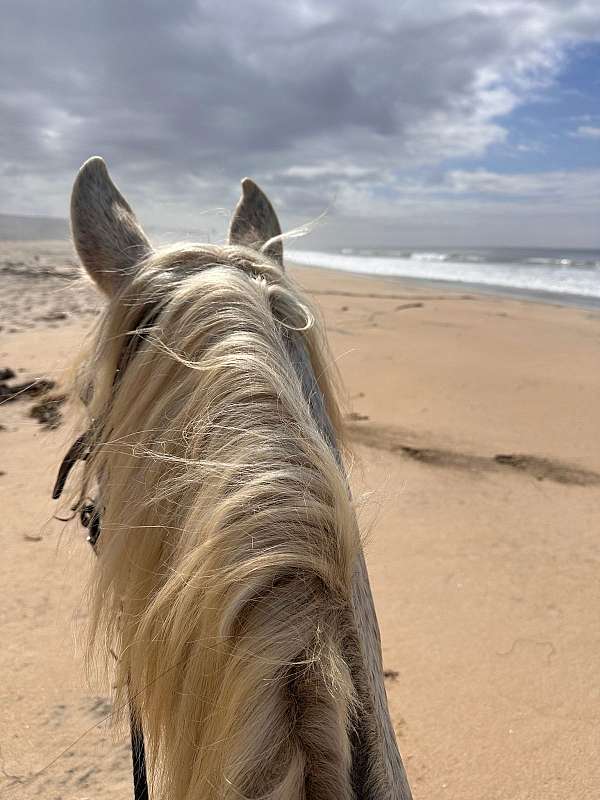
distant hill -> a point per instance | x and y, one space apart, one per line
21 228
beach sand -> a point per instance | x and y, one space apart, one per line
475 426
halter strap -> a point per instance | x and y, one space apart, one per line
138 757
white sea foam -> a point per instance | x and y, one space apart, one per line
558 275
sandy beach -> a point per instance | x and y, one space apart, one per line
475 426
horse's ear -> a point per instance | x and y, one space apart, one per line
106 233
254 222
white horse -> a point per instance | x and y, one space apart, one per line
230 577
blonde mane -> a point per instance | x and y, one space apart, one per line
229 540
230 582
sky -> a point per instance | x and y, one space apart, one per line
465 122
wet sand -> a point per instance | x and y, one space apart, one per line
475 426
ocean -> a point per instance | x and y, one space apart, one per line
570 275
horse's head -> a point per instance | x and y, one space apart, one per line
230 578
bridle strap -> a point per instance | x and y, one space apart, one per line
79 451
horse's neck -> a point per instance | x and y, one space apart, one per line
378 770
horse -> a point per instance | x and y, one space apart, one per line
230 582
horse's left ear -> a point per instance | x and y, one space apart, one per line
106 233
254 222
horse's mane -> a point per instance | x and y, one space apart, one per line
229 539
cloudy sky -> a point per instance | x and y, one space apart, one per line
407 121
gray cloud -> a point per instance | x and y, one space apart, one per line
332 103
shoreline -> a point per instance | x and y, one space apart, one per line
556 299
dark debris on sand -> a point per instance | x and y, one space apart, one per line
403 442
21 391
47 408
47 411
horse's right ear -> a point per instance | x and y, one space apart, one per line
255 222
106 233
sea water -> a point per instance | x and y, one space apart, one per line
572 274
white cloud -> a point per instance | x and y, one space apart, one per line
327 170
558 185
587 132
